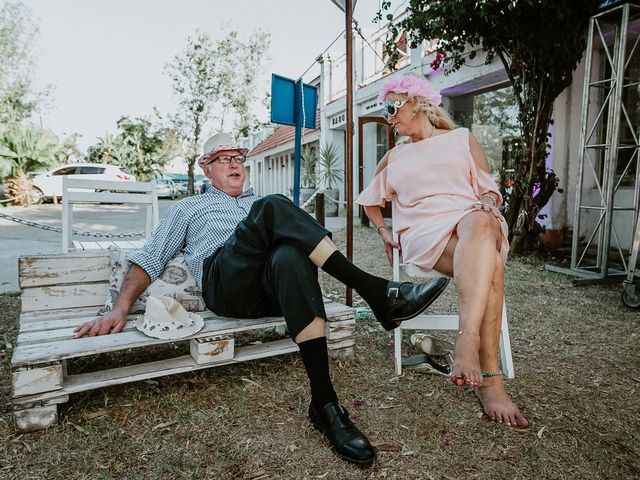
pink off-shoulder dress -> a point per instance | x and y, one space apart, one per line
431 184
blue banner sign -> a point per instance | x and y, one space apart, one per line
285 104
294 103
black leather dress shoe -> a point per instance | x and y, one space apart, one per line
345 438
406 300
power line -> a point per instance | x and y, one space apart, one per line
324 51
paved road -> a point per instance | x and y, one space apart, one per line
17 239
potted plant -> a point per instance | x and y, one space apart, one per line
330 175
308 160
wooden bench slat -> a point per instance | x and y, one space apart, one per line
35 317
86 245
64 296
40 321
85 184
59 349
42 336
64 333
160 368
110 197
41 271
44 333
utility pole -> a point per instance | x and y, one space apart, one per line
348 151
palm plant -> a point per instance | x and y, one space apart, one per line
330 173
20 189
26 149
309 158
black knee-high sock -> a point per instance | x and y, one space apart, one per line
373 289
316 361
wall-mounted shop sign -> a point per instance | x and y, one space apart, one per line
371 107
338 120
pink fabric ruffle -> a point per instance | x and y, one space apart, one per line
411 85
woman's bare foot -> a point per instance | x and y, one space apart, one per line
466 365
497 404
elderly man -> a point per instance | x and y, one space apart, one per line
259 257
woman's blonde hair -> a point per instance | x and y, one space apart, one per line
436 115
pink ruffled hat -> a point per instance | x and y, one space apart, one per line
411 85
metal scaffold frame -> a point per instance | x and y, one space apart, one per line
600 147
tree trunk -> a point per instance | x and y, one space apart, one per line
534 184
190 183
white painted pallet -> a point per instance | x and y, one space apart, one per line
60 292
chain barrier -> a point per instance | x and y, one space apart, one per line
335 201
84 233
315 194
310 199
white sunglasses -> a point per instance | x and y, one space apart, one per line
390 109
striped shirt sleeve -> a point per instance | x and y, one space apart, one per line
167 241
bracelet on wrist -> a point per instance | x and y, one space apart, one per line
381 226
491 198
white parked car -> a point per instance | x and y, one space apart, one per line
49 184
165 188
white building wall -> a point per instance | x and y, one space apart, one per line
272 171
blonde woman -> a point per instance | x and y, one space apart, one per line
444 204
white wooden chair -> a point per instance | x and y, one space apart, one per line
428 321
77 190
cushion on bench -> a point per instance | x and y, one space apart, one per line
176 282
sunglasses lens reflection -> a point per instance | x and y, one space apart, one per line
390 109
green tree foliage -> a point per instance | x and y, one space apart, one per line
140 146
211 81
193 81
17 31
238 67
540 43
27 148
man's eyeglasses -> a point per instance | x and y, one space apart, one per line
390 109
228 158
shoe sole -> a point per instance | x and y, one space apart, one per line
359 463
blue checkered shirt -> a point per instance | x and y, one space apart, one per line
197 225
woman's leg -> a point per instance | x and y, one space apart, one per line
492 394
495 400
470 257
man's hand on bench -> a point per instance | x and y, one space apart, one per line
135 281
113 322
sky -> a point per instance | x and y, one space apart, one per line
105 58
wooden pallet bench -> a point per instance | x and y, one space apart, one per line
60 292
104 245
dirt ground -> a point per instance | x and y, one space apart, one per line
577 379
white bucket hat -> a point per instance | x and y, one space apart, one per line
218 143
167 319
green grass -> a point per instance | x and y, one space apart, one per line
577 379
